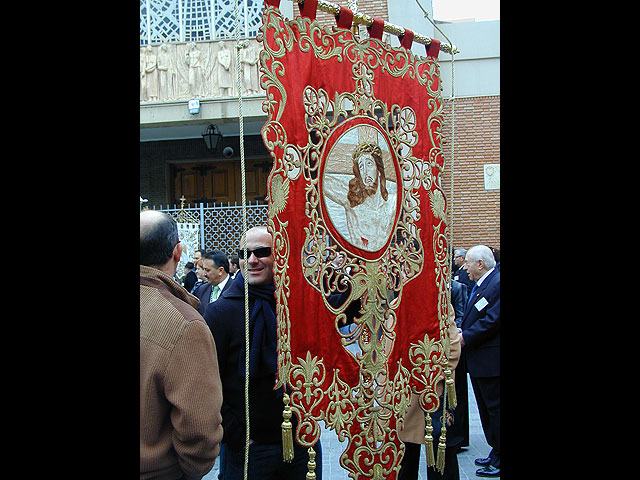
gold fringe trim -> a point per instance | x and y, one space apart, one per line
428 441
442 445
287 435
311 464
451 389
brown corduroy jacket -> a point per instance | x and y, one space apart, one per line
180 389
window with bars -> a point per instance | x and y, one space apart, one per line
173 21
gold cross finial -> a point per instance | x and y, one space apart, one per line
182 200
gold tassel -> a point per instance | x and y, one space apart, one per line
287 436
442 444
451 389
428 442
311 464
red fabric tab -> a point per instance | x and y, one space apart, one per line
376 29
407 39
308 9
345 18
273 3
433 49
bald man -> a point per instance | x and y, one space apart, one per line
180 388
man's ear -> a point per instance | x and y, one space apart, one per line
177 252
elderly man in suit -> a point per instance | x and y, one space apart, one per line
481 348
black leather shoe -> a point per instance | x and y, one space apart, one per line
483 462
488 471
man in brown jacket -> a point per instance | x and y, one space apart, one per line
180 389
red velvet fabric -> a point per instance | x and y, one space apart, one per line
345 17
309 9
406 40
377 28
433 49
296 64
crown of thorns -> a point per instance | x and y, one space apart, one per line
363 148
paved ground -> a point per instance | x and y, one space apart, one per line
332 448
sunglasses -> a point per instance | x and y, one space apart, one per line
260 252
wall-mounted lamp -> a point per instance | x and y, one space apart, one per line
194 106
212 137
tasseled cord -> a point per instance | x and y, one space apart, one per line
442 445
287 435
311 464
428 441
451 388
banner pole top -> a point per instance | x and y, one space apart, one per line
364 19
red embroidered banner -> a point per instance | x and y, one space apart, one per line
357 214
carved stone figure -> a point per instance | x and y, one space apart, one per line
143 77
151 74
165 71
195 71
249 61
224 72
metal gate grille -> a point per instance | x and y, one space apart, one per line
220 225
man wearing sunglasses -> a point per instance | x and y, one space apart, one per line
226 318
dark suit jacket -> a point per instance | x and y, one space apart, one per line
458 300
463 277
481 329
204 294
225 318
190 280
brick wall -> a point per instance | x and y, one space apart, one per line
476 217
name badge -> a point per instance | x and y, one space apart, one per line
480 304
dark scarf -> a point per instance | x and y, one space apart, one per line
263 327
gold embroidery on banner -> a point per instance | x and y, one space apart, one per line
377 403
278 194
306 379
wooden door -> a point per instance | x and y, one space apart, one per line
186 182
219 182
256 174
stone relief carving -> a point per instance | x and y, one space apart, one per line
150 84
249 61
224 72
197 70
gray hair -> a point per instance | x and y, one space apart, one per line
460 251
484 253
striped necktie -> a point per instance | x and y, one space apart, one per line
214 293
